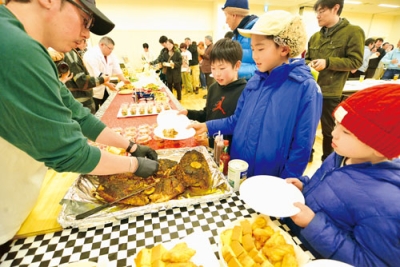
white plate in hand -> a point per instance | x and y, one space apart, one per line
271 195
327 263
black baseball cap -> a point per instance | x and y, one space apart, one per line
102 24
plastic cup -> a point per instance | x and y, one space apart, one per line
362 77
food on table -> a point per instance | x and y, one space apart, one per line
171 180
126 86
179 256
170 133
143 139
152 86
256 244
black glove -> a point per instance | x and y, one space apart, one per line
145 151
146 167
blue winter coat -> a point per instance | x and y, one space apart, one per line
357 212
248 66
275 121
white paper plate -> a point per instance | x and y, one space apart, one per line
170 119
198 241
271 195
326 263
183 133
125 92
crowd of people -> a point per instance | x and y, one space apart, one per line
261 93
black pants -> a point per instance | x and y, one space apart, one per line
178 88
98 102
327 124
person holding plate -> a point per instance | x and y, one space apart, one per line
352 212
277 114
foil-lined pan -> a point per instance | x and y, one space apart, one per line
81 196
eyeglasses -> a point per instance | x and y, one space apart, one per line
111 49
87 22
320 11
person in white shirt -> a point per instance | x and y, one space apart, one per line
369 44
99 60
146 56
185 69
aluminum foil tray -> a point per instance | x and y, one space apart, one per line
80 197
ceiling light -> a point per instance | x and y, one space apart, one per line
353 2
386 5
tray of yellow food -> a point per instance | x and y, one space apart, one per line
191 251
186 176
257 241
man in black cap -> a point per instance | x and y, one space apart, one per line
43 126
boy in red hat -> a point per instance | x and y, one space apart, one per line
352 211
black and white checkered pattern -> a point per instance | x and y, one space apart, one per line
115 244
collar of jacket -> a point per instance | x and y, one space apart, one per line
280 73
243 23
329 31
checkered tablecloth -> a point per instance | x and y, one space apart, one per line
115 244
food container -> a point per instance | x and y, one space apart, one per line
237 173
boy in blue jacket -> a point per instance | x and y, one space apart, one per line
352 211
275 120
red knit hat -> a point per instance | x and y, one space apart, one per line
373 115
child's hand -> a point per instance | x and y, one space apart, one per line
304 217
200 128
182 112
296 182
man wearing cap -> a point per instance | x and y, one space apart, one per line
43 125
237 17
334 51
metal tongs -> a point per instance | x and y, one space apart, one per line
99 208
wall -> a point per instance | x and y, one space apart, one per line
137 23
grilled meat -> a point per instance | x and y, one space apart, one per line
191 175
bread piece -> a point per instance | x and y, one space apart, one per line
267 263
157 252
179 253
143 258
227 253
237 233
289 260
259 222
158 263
246 261
226 236
234 263
248 242
259 257
237 248
246 226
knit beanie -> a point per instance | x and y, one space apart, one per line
237 7
373 116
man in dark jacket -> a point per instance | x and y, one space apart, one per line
81 85
237 17
194 64
374 62
334 51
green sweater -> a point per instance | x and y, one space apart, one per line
343 48
39 114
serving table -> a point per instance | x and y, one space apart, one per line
353 86
116 243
